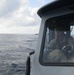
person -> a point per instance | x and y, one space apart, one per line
59 48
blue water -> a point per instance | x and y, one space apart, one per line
13 52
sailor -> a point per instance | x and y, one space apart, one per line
59 47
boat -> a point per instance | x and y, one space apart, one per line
54 54
36 34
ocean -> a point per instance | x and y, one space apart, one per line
13 52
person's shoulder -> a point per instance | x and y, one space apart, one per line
53 41
57 56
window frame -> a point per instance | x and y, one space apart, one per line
42 49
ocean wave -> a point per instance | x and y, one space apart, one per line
13 52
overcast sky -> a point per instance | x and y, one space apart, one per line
19 16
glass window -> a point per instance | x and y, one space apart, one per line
59 43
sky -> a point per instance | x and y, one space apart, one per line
20 16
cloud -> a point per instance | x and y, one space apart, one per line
19 16
8 6
29 18
22 18
20 30
16 15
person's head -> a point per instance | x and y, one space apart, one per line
59 33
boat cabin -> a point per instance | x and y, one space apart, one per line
54 54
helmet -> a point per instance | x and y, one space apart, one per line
57 56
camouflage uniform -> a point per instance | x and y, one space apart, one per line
57 56
55 47
56 53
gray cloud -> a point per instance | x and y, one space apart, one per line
8 6
31 19
18 14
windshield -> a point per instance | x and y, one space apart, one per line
59 44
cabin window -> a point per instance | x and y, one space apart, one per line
58 44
